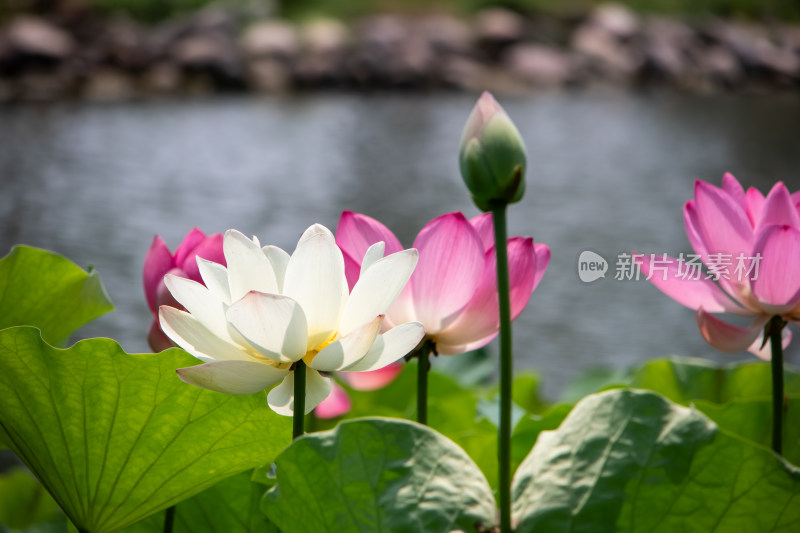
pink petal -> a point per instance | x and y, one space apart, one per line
355 233
336 404
451 261
721 223
484 225
727 280
376 379
777 283
156 263
455 349
778 209
765 352
671 278
796 200
542 252
209 249
163 296
755 205
157 339
480 318
734 189
184 249
725 337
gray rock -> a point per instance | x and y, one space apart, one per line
35 37
667 47
325 36
162 78
498 26
446 34
616 20
540 65
109 85
269 74
271 38
213 54
720 65
606 53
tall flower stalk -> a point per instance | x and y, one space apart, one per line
506 368
772 331
492 162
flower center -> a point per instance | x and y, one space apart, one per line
309 356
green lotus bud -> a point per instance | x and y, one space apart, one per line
492 156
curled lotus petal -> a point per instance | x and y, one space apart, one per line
763 350
726 337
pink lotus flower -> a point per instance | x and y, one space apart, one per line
159 262
453 291
339 403
750 246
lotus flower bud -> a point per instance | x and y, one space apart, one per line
492 156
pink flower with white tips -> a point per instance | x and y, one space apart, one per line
729 222
453 291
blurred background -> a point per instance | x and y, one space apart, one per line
122 119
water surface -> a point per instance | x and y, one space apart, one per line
608 172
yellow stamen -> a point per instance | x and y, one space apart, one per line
309 356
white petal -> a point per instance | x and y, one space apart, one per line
203 305
273 324
281 398
315 279
248 267
372 254
215 277
348 349
390 347
188 333
377 288
232 377
279 259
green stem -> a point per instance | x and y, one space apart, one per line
169 519
422 382
506 367
299 398
773 330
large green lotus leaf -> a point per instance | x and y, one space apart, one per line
752 420
378 475
453 410
115 437
230 506
527 430
631 461
45 290
25 503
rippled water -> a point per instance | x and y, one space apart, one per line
608 172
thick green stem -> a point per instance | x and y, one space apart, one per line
506 368
773 331
299 399
422 382
169 519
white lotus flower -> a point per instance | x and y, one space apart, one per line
253 320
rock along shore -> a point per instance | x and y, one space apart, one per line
81 55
